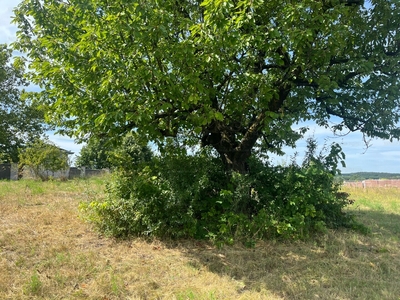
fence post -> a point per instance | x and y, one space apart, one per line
14 171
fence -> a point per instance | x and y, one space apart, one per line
85 172
371 183
29 173
9 171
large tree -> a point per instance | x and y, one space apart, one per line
20 120
231 74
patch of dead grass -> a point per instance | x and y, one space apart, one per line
48 252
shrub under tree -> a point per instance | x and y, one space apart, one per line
181 196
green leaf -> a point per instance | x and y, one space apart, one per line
219 116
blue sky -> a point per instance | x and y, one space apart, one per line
381 156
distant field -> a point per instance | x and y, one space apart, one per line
48 252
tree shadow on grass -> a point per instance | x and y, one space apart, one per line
342 264
380 222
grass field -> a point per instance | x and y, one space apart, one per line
48 252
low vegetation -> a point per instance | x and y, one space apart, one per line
48 252
177 195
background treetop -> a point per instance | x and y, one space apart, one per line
235 75
20 120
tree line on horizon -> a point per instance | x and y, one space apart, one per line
358 176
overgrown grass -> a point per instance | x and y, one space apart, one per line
48 252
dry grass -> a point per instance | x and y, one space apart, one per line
48 252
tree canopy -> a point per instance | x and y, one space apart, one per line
235 75
20 121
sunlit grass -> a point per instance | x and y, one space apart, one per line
48 252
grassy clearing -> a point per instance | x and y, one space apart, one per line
48 252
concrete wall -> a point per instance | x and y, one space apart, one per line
28 173
14 171
74 173
85 172
5 171
9 171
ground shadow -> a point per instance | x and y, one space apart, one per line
342 264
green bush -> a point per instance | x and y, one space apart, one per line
43 158
181 195
163 197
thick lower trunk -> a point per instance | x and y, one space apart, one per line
235 161
234 153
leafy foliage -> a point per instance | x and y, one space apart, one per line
235 75
20 120
191 196
100 153
130 153
43 158
95 155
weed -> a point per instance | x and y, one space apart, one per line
34 285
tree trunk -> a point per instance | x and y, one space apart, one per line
234 161
234 153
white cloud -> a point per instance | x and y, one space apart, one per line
393 155
7 30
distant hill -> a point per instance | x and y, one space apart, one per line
369 175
